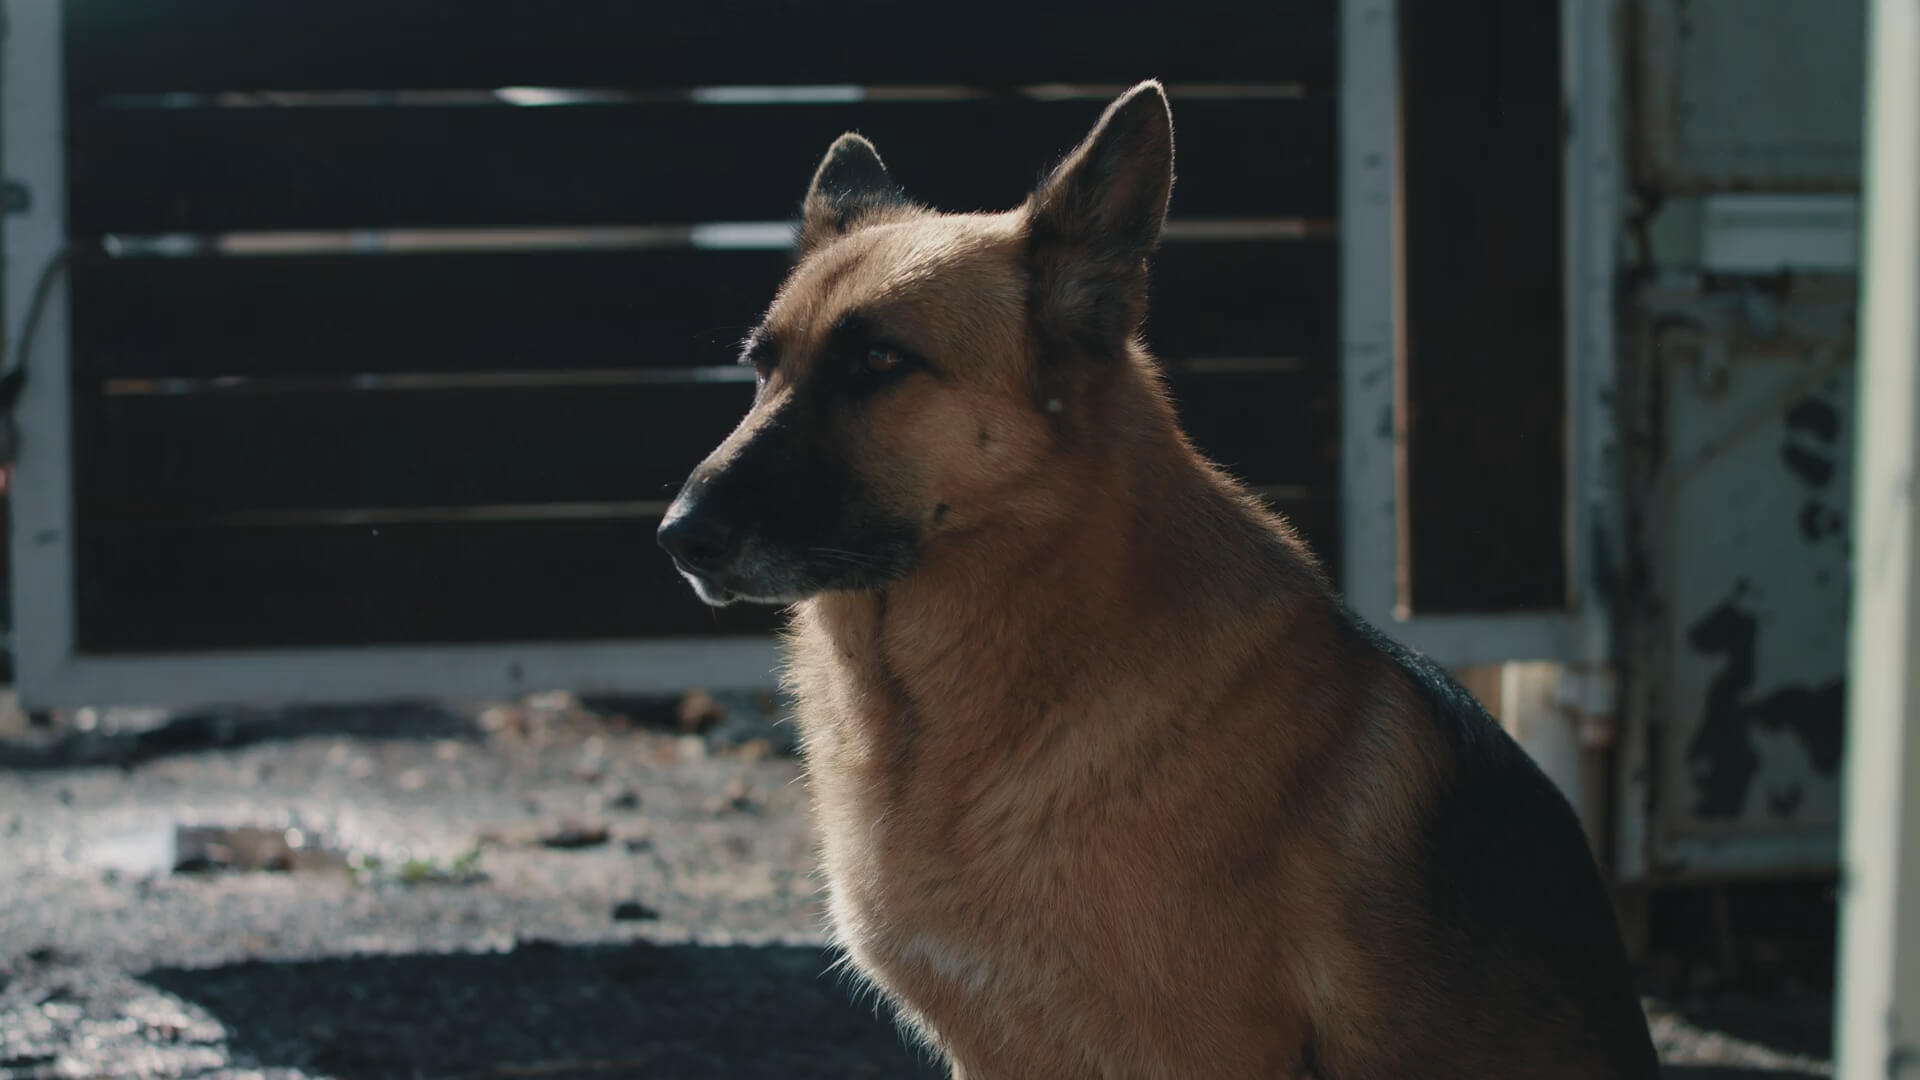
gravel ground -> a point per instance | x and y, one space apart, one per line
529 889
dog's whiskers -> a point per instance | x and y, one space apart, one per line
851 558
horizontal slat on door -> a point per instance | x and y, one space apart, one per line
145 588
148 588
231 169
143 45
169 455
201 317
191 453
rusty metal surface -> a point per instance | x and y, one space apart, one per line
1745 481
1746 95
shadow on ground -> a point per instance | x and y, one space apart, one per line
587 1011
553 1011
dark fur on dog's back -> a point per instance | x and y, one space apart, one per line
1109 782
1509 884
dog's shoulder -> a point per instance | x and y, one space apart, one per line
1512 892
1496 830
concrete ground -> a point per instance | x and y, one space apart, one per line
529 889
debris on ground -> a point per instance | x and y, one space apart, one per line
462 869
574 835
733 798
163 846
567 834
203 849
698 712
633 911
683 940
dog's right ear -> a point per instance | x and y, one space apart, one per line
850 185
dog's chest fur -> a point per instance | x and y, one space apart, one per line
1009 882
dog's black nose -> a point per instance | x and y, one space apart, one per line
698 542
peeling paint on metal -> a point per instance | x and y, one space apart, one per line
1742 510
1814 470
1817 523
1815 417
1725 754
1812 427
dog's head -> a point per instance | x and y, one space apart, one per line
920 374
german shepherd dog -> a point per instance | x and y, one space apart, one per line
1109 781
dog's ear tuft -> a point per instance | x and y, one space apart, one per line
1094 220
851 183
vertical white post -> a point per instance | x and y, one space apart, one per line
1878 1030
1587 691
33 152
1369 290
1595 542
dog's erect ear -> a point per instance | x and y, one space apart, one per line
850 184
1110 194
1094 221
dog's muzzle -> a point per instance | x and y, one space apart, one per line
704 548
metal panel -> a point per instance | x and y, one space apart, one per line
1746 524
1738 404
1748 94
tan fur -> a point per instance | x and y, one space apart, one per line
1106 787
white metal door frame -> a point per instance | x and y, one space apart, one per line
1372 422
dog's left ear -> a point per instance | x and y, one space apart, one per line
851 184
1094 221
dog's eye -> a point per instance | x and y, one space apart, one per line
761 356
881 359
